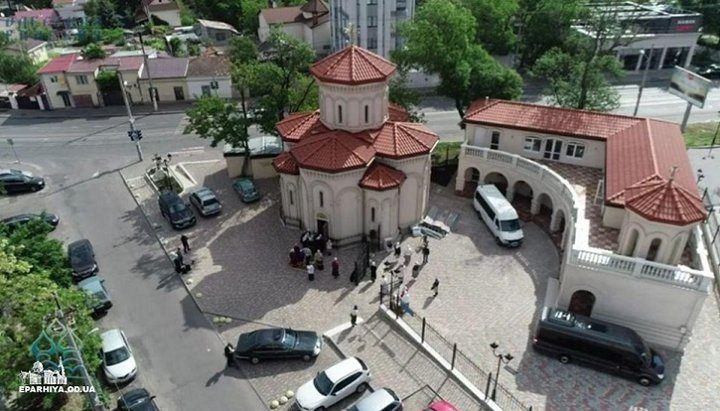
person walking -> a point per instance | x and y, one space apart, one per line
230 355
335 268
311 272
373 271
408 255
405 302
397 250
179 256
353 316
307 253
319 263
185 243
426 254
435 287
425 241
384 286
328 246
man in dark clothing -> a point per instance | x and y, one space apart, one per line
354 316
373 271
435 287
426 253
230 355
397 250
179 256
185 243
335 268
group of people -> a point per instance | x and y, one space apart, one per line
310 253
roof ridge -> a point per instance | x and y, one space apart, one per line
653 155
365 56
578 110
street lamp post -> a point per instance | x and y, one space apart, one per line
147 67
644 77
502 359
133 133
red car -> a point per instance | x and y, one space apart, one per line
441 406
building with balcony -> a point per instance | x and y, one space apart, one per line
309 22
618 195
357 166
375 22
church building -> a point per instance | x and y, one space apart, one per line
356 166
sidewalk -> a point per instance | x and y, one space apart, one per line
111 111
400 365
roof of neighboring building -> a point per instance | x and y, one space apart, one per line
5 89
44 15
333 151
294 14
636 149
353 65
171 67
59 64
397 113
80 65
31 91
315 7
26 45
663 201
285 164
298 125
400 140
209 65
164 6
380 177
217 25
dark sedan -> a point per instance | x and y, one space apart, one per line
82 259
278 343
19 181
138 399
710 72
15 222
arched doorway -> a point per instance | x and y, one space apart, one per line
631 243
522 199
653 250
543 211
472 178
582 302
499 180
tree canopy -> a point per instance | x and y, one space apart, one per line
494 23
544 24
17 69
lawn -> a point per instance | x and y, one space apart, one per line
701 134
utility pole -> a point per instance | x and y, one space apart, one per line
92 395
648 58
147 67
134 134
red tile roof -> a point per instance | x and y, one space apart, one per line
59 64
333 151
45 16
89 66
289 15
285 164
352 65
637 150
400 140
380 177
315 6
663 201
397 113
297 125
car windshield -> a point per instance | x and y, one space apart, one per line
510 225
322 383
177 208
209 201
79 257
116 356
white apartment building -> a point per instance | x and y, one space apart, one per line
375 22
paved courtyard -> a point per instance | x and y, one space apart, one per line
487 294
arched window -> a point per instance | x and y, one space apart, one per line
367 114
372 214
322 199
339 114
632 243
653 250
291 197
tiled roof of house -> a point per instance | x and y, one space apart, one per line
170 67
663 201
166 6
89 66
59 64
45 16
217 25
400 140
353 65
297 125
397 113
209 65
637 150
285 164
26 45
333 151
288 15
380 177
315 7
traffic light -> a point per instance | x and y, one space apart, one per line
138 134
131 134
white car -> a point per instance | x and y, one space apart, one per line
334 384
118 362
381 400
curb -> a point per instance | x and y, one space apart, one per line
68 115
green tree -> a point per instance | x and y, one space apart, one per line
450 27
17 69
33 29
404 96
104 12
710 10
88 33
94 51
494 23
544 24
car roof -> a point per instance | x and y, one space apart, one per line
442 406
79 244
112 339
91 284
343 368
269 335
377 400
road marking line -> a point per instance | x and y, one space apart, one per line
193 148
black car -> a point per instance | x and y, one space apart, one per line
15 222
82 259
710 72
18 181
138 399
276 343
174 209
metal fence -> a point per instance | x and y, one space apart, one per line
712 233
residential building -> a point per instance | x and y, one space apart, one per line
666 34
9 28
209 75
168 78
71 12
47 17
309 22
375 23
215 33
356 167
35 50
617 194
166 11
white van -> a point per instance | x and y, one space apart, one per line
498 214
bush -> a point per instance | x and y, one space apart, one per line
113 36
186 18
94 51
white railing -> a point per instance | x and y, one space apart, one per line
581 254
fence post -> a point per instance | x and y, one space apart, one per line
422 334
452 364
487 386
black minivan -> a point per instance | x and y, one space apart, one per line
598 344
175 210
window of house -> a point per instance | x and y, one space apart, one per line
576 150
322 199
81 79
206 90
53 79
372 2
495 140
340 114
220 36
292 201
367 113
372 214
372 21
533 144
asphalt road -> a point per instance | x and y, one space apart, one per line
179 353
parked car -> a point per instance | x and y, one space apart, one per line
711 71
174 209
99 297
82 259
278 343
383 399
205 201
119 364
334 384
441 406
19 181
245 188
138 399
15 222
